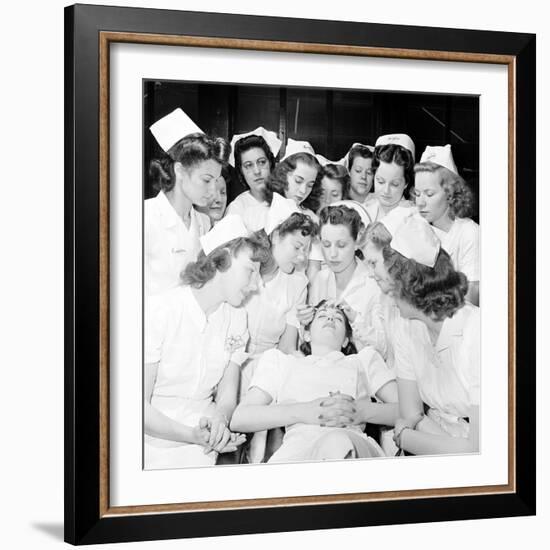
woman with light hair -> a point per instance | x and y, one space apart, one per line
444 199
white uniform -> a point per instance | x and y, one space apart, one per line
375 212
168 245
378 328
192 352
361 294
269 311
447 373
462 244
255 216
244 202
291 379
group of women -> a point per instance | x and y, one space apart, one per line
327 297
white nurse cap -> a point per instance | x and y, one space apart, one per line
294 146
227 229
280 209
173 127
416 240
354 205
396 217
441 156
273 142
397 139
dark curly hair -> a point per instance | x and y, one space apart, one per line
437 291
189 152
340 174
278 182
358 151
251 142
400 156
295 222
460 197
348 349
197 274
342 215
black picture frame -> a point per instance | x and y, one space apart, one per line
87 519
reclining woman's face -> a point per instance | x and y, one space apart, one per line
329 327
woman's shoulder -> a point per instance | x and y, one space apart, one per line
171 302
153 207
471 315
240 202
465 226
275 358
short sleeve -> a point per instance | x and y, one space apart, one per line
402 350
368 330
299 294
268 375
237 337
374 370
156 324
468 251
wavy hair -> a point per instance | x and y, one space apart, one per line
189 152
278 180
297 221
377 234
400 156
358 151
436 291
460 197
340 174
251 142
197 274
342 215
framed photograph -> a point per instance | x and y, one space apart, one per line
333 85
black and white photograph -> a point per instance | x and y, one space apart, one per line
311 274
303 285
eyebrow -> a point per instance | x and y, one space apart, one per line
324 308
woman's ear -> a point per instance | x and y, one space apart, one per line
307 336
179 170
345 342
360 241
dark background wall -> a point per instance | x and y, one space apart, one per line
330 119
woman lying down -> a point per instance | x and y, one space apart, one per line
323 398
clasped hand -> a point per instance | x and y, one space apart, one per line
337 410
214 435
